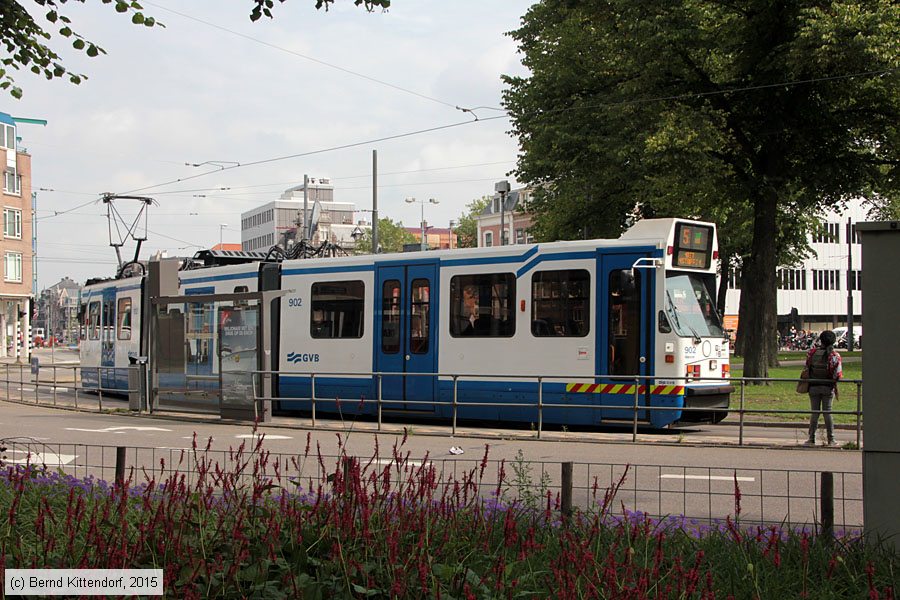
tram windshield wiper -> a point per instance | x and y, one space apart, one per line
673 310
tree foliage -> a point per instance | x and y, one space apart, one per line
391 237
467 230
756 114
25 37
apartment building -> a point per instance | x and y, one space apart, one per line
15 244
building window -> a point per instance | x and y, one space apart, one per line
12 182
482 305
123 319
488 239
520 236
337 309
791 279
8 139
734 279
13 268
830 233
560 303
824 280
850 232
12 223
855 280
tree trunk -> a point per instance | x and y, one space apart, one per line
725 261
757 326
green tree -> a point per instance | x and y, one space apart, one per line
23 36
467 230
758 114
391 237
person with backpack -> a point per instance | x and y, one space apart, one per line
823 363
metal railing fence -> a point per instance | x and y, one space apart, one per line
693 497
17 379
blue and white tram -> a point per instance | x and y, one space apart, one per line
112 331
597 320
586 316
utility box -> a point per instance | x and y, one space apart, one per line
136 382
881 405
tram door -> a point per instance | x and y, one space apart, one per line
405 334
108 339
624 348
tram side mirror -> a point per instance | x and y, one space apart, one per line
664 326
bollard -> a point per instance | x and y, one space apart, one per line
827 505
566 491
120 465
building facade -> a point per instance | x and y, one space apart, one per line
282 221
814 295
436 238
57 311
16 244
515 216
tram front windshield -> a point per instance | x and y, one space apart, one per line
691 310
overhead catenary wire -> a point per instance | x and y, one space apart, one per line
318 61
314 152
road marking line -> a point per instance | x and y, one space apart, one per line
391 461
43 458
706 477
269 436
117 429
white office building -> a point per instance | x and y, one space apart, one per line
817 288
282 221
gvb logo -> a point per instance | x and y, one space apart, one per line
298 357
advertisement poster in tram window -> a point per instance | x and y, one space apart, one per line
238 328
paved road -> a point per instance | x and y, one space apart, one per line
664 476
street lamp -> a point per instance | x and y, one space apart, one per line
222 226
502 188
422 202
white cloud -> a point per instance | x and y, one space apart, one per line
193 93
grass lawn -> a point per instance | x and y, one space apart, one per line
782 395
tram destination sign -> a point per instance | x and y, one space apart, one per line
693 246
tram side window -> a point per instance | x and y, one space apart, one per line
93 324
483 305
123 325
560 303
337 309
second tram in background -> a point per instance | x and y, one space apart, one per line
586 316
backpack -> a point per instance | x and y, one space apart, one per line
818 367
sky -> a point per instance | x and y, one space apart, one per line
213 87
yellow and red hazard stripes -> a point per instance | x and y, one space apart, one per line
623 388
